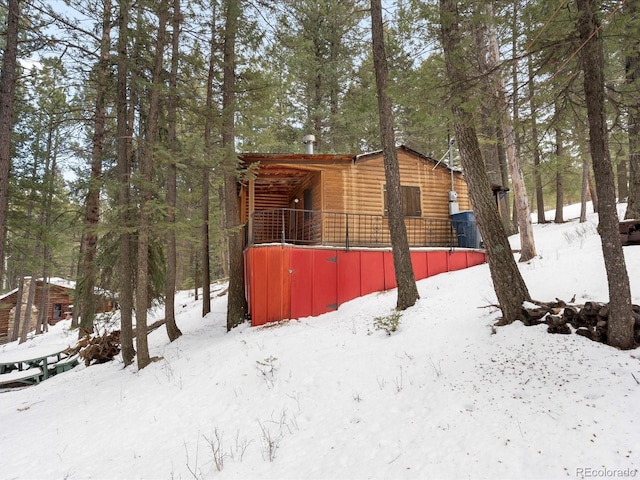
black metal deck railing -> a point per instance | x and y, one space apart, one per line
313 227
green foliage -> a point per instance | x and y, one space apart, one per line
388 323
305 67
188 284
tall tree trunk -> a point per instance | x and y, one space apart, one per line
224 250
593 193
7 100
173 331
208 145
206 244
15 331
633 111
237 303
87 283
535 145
49 186
620 325
147 161
559 218
584 191
489 127
508 284
633 201
622 177
125 267
521 201
405 278
31 295
42 325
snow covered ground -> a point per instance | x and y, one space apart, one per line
332 397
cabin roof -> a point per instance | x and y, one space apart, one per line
295 158
59 282
301 159
280 173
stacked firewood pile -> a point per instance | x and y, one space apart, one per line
98 349
589 320
103 348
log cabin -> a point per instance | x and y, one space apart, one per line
316 228
57 294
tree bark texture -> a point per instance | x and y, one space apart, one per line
559 218
125 265
511 291
208 146
585 189
405 278
521 201
7 100
173 331
620 327
146 178
92 203
632 68
535 146
237 303
31 295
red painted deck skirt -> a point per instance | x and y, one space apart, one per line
285 281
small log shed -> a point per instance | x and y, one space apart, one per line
58 294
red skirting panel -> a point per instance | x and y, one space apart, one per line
301 272
291 282
349 275
268 283
325 281
372 271
419 262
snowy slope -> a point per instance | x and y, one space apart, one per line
331 397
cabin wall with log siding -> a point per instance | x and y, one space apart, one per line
55 294
6 304
357 188
366 182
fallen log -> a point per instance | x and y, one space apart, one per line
150 328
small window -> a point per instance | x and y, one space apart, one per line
410 201
57 310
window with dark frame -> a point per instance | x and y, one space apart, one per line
411 206
57 310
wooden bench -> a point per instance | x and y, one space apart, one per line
28 376
64 365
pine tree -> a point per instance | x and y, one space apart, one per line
8 79
236 303
405 278
620 325
508 284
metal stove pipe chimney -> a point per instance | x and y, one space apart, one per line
309 140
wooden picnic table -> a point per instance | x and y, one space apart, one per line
37 357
